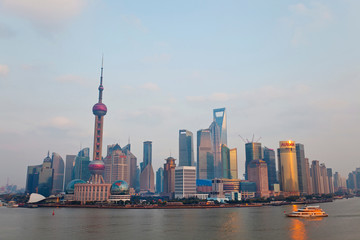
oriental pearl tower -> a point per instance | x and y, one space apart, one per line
97 166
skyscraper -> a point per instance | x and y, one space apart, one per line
330 180
324 179
288 168
269 158
216 148
147 156
81 167
205 155
316 177
32 178
257 170
70 164
301 168
220 118
185 182
186 148
229 162
160 180
46 176
147 172
57 163
253 151
308 177
132 161
116 165
169 175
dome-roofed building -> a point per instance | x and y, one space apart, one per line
119 187
71 186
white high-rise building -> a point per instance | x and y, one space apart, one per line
185 181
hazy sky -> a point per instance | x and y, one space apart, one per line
284 69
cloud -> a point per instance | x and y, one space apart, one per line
306 19
134 21
71 79
215 97
59 122
44 13
157 58
4 70
150 86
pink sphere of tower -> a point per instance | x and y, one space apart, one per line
99 109
96 167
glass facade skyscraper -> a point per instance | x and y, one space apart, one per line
216 148
229 162
59 168
81 167
301 167
269 158
288 168
147 159
205 156
220 118
186 148
160 180
253 151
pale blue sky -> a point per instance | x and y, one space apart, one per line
283 70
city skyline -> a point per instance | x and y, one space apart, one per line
296 66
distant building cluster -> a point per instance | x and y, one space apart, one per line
214 175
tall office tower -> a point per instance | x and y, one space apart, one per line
81 167
132 161
205 155
186 148
330 180
58 179
32 178
301 168
70 164
324 179
46 177
308 177
147 156
337 182
160 180
288 167
116 165
216 148
258 173
225 157
357 178
233 164
97 189
316 177
229 162
351 181
147 172
185 181
253 151
269 158
169 175
220 118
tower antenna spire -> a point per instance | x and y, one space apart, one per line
101 88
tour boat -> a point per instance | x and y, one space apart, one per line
308 211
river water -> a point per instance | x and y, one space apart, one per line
231 223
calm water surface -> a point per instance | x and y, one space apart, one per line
237 223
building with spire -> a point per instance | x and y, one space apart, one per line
96 189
